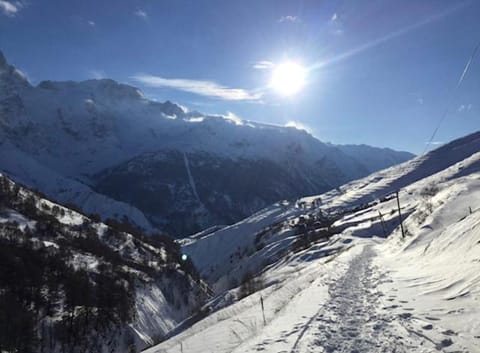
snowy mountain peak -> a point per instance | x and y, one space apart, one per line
114 89
180 170
10 77
171 109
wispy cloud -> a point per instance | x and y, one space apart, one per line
289 18
263 65
91 23
97 74
335 24
464 108
141 13
10 9
204 88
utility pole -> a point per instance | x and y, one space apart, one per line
263 311
383 224
400 215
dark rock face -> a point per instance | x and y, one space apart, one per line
195 190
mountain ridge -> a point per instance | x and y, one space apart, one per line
83 133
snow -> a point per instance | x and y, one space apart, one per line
154 315
359 291
8 215
448 162
287 300
84 261
165 294
225 242
28 171
385 182
444 289
50 243
190 178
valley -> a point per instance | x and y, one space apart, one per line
365 288
268 176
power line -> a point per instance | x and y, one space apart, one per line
452 96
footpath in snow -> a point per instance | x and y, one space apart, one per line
359 317
349 321
351 308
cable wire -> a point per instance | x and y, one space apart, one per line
452 96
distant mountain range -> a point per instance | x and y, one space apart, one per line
104 147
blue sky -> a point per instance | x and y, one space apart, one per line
379 72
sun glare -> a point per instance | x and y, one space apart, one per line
288 78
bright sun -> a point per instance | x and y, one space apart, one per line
288 78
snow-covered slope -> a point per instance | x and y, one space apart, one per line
71 283
378 185
436 268
356 285
100 137
227 241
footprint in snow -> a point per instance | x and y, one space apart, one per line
449 333
394 306
405 315
352 333
447 342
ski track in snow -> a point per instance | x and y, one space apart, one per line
190 178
